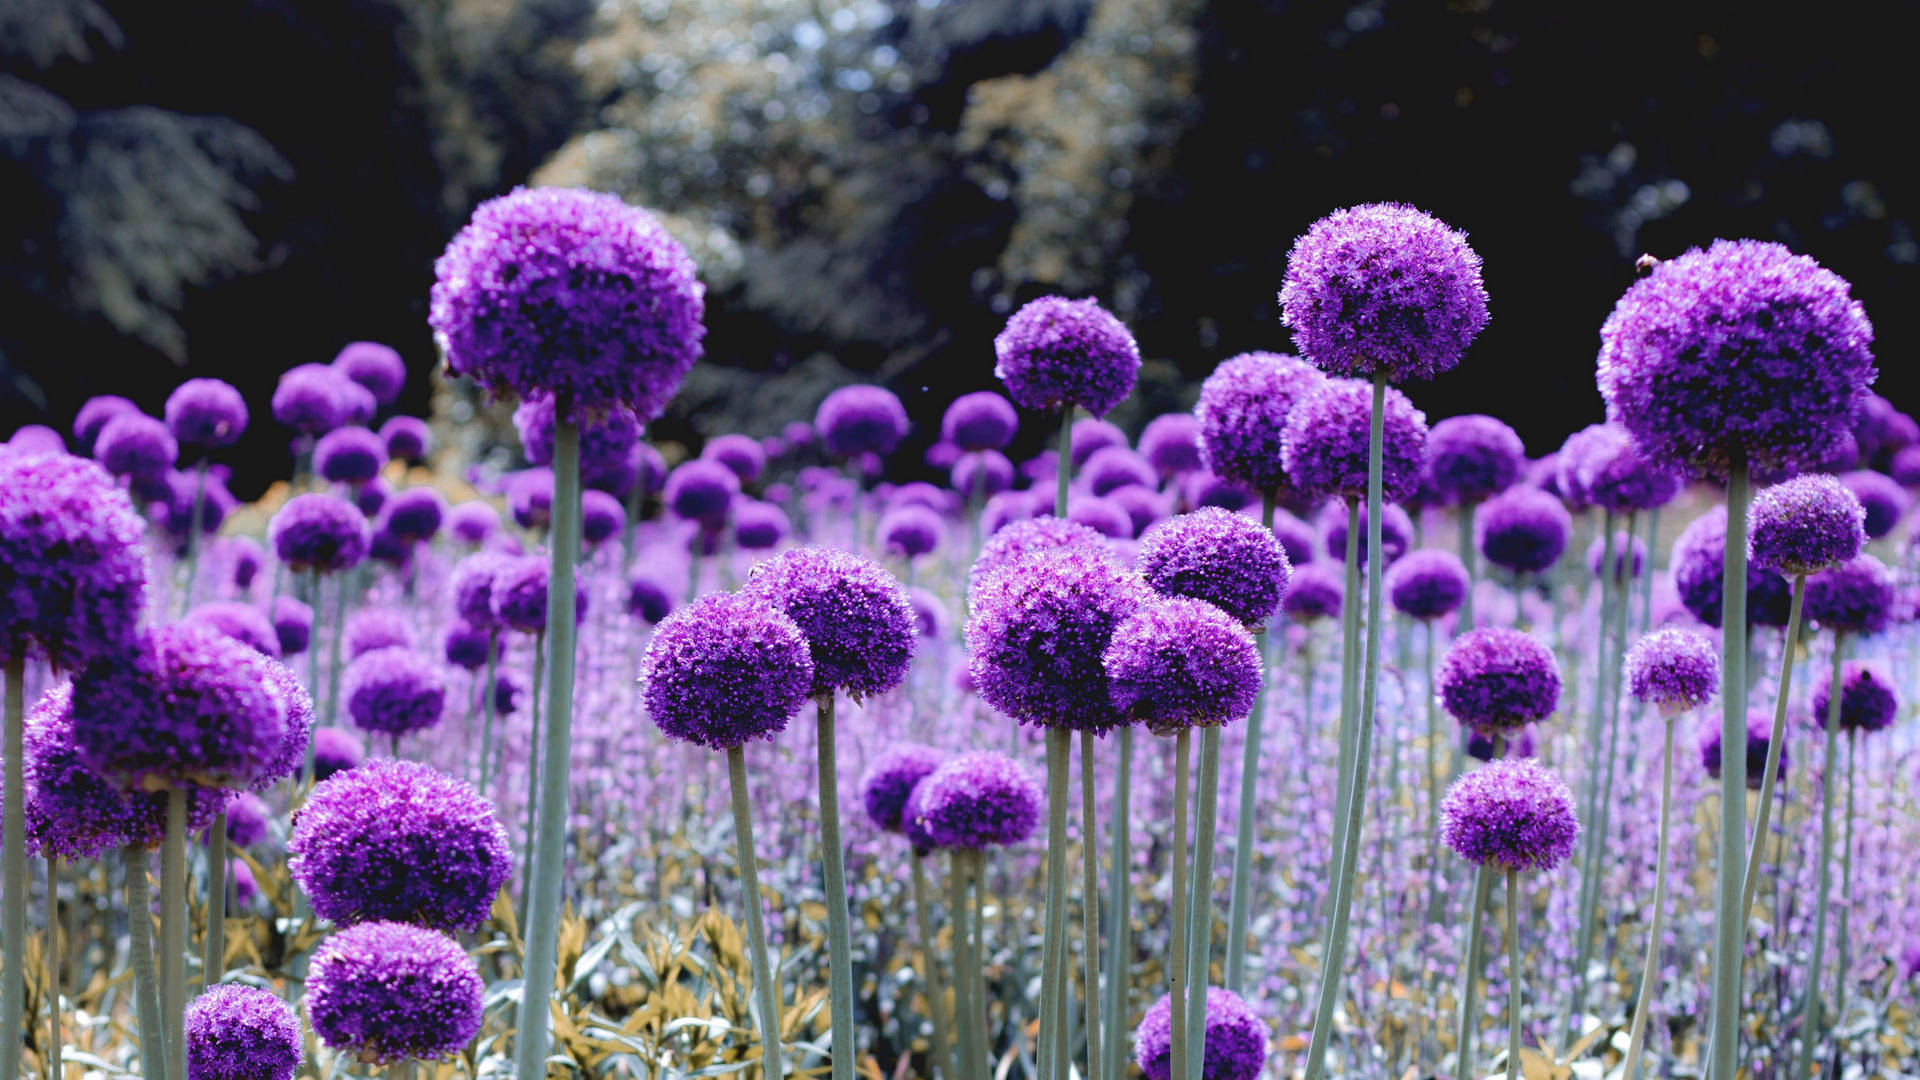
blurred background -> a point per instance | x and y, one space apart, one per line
230 187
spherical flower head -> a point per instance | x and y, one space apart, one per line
93 415
206 414
1143 506
1515 743
311 399
1324 447
298 732
240 621
1868 701
725 669
1038 633
1396 533
856 617
1510 815
1880 496
1523 530
570 293
919 493
394 690
242 556
978 800
1298 539
1383 287
1020 538
1759 731
909 531
292 625
1904 466
740 453
1101 515
1427 584
408 438
1089 435
648 598
71 811
985 472
1242 416
1220 557
1611 472
335 750
519 595
607 441
1114 467
601 517
248 819
466 646
349 455
891 777
375 628
472 584
855 420
387 992
473 522
1472 458
1236 1042
1182 663
1171 443
1056 353
174 513
1315 592
1854 597
36 439
320 532
1495 678
1743 348
1204 488
1697 565
375 366
1806 524
929 614
701 491
136 445
415 515
1629 556
399 841
73 575
237 1032
982 420
1673 669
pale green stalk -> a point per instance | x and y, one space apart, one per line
1200 906
146 981
173 932
1776 737
1467 557
966 1010
1120 904
1637 1035
57 1040
1468 1032
491 707
1810 1009
1177 965
1513 975
1613 567
333 647
1052 993
1349 659
1729 934
1237 907
1090 905
529 833
13 929
193 536
833 860
943 1045
213 965
766 990
1846 887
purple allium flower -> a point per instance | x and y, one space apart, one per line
891 777
1629 556
242 555
1673 669
1510 814
701 491
1143 506
248 819
473 522
977 800
1495 678
297 734
1021 538
986 471
855 420
909 531
1523 530
913 822
1101 515
1315 592
929 614
1518 743
725 669
519 595
415 514
335 750
1171 443
648 598
607 441
1856 596
1204 488
1612 473
1008 507
1427 584
1115 467
982 420
237 1032
408 438
1242 416
136 445
375 628
36 439
1905 466
73 577
1090 435
292 625
472 584
1298 538
206 414
1038 632
1868 701
399 841
466 646
72 811
1565 472
1697 566
1236 1040
311 399
320 532
357 403
856 617
1759 731
530 497
1396 533
1223 558
1472 458
349 455
571 293
602 517
93 415
240 621
922 494
1182 663
174 512
370 495
241 886
1324 448
1743 348
1383 287
506 693
387 992
740 453
1883 500
375 366
1055 353
394 690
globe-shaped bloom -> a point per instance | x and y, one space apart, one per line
1143 506
297 735
1612 473
977 800
519 595
415 514
1868 701
36 439
1298 539
349 455
1806 524
249 818
72 811
237 1032
335 750
856 420
1324 447
725 669
1171 443
1629 556
1673 669
607 441
1496 678
1182 663
1236 1041
206 414
1743 348
740 453
408 438
1510 814
1242 414
388 992
1396 533
1854 597
1904 466
373 628
1472 458
1021 538
1101 515
856 617
399 841
311 399
1383 287
1427 584
891 778
1116 467
136 445
570 293
377 367
1315 592
292 625
1056 353
394 690
982 420
466 646
323 533
1223 558
472 584
240 621
1090 435
1523 530
73 576
909 531
93 415
1881 497
983 472
473 522
1759 731
1697 564
602 517
648 597
701 491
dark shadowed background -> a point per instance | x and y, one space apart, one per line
228 188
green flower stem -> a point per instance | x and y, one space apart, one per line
1349 659
766 990
55 1041
1200 905
193 537
1637 1036
1468 559
1063 468
1090 905
1120 905
1775 738
1810 1009
213 966
1237 906
1059 743
1846 886
1729 934
1513 975
313 652
173 932
333 647
833 863
1468 1033
529 835
943 1047
967 1012
977 969
146 981
490 707
1177 965
1613 567
13 922
404 1069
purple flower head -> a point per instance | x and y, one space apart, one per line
1315 592
1510 814
1236 1042
910 531
1299 539
725 669
601 517
473 522
1854 597
1324 447
648 598
1882 430
739 453
856 617
136 445
93 415
1396 533
375 628
1039 630
891 777
335 750
349 455
929 614
607 441
1880 496
242 555
1101 515
174 512
292 625
1741 349
1516 743
921 494
1495 678
701 491
982 420
1868 701
1008 507
357 403
248 819
206 414
320 532
408 439
1143 506
415 514
72 811
977 800
1242 416
1206 488
1523 530
1697 566
73 577
311 399
374 366
1056 353
1611 472
1806 524
394 690
472 584
237 1032
1221 557
1114 467
1673 669
913 822
1383 287
1427 584
297 735
387 992
240 621
985 471
506 693
466 646
399 841
530 497
1472 458
1171 443
1021 538
570 293
519 595
1564 473
1182 663
855 420
1905 466
1090 435
1759 731
1629 556
370 495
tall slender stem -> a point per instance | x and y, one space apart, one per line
967 1011
338 630
549 849
1637 1037
527 837
1237 904
173 931
1177 966
1776 737
146 981
1469 1030
943 1045
766 991
1468 559
1200 904
213 965
1349 659
1513 975
491 707
1090 905
13 922
1053 941
56 1042
833 864
1120 907
1613 568
1063 468
1817 959
1729 934
976 966
193 535
1846 887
